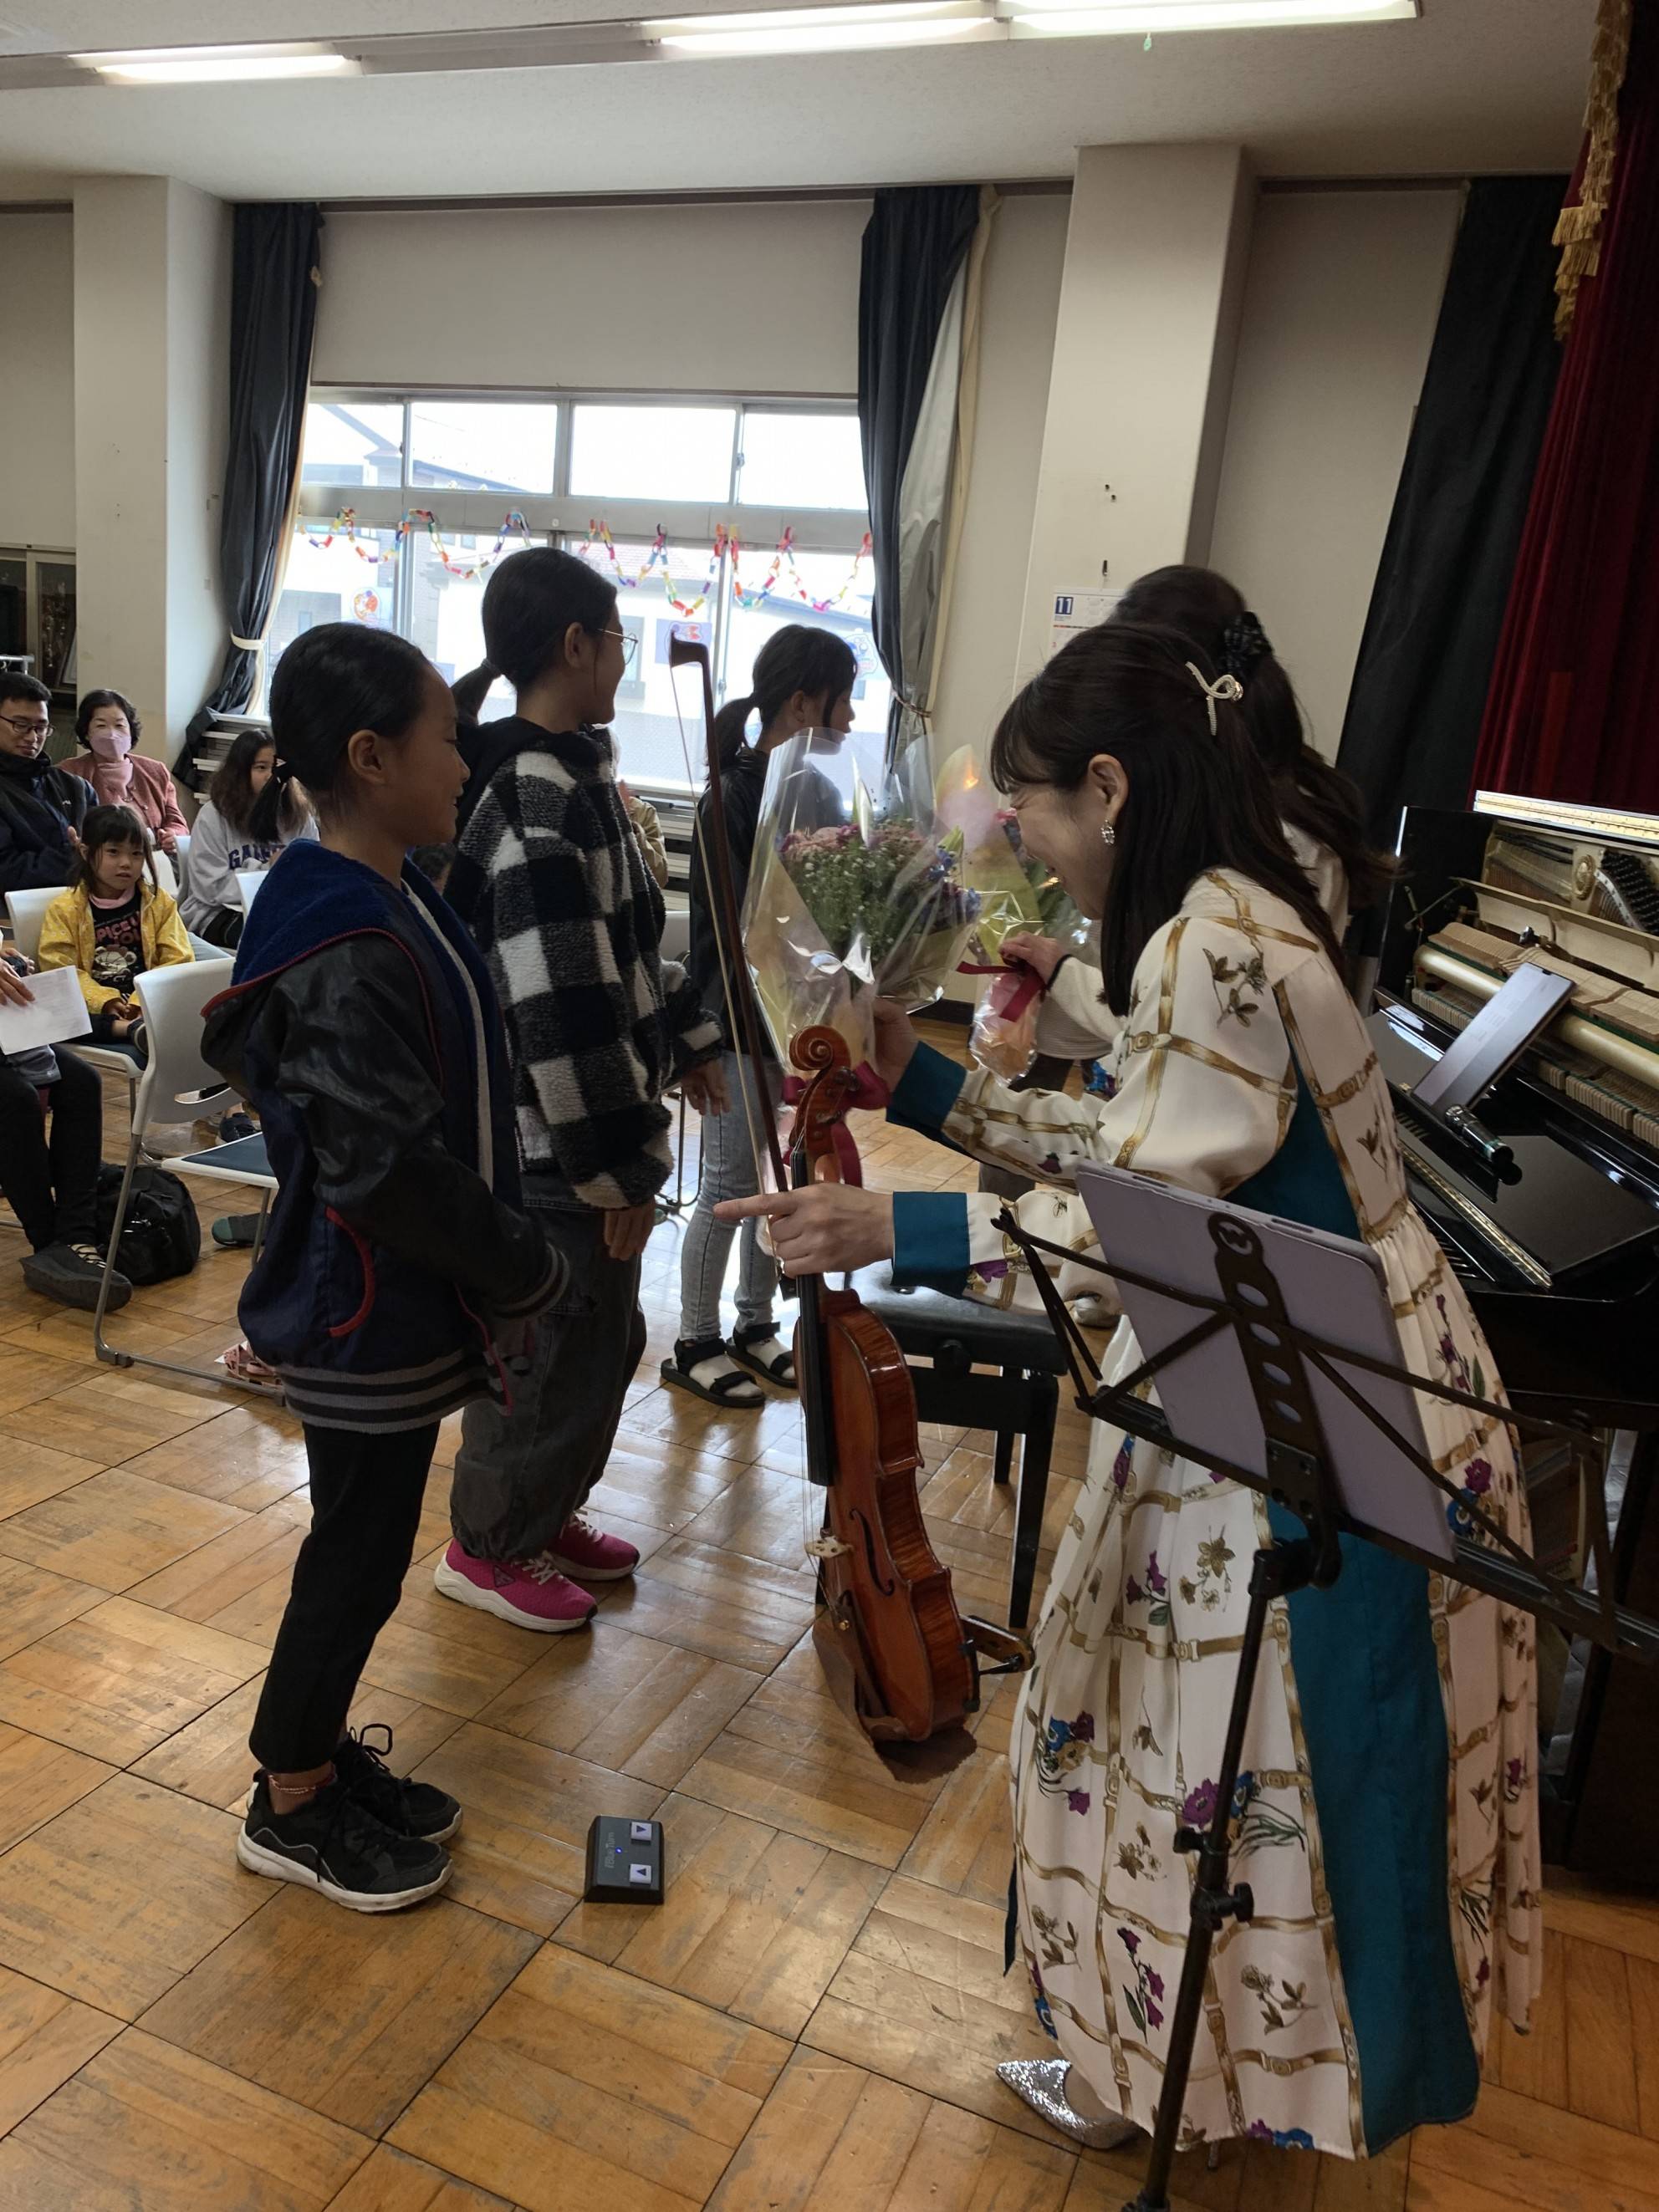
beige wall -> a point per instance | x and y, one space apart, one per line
1143 349
152 269
751 298
36 381
1341 303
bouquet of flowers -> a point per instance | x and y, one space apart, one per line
851 896
1015 889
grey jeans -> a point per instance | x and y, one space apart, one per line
729 1171
520 1474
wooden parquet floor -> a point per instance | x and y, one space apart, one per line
810 2023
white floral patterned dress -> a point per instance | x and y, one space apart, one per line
1389 1824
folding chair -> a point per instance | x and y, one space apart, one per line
177 1076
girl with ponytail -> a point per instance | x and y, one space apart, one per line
803 680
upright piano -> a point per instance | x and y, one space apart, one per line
1559 1252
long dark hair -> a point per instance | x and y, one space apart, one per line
232 789
93 700
470 691
1196 801
530 604
333 681
797 658
109 825
1310 794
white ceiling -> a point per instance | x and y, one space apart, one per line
1472 85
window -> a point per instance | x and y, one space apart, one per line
347 444
652 453
801 460
481 444
333 576
723 481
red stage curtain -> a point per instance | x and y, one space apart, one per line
1573 711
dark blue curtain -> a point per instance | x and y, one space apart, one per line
915 244
273 320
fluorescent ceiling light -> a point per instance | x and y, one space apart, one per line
826 30
1080 18
216 64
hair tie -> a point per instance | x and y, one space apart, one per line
1243 642
1227 687
282 772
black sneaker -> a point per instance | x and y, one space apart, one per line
234 1232
413 1809
71 1273
336 1844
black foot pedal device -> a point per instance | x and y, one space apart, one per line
624 1861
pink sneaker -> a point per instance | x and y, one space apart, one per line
530 1593
587 1553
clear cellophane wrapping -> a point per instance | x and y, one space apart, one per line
853 895
1014 892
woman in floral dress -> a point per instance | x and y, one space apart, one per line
1388 1820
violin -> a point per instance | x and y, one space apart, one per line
895 1648
888 1629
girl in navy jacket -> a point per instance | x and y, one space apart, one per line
399 1278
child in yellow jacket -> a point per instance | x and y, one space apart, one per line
112 923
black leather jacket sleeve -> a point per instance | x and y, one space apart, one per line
339 1032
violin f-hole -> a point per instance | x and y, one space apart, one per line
884 1587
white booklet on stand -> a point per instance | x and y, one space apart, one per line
57 1013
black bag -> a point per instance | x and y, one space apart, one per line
161 1236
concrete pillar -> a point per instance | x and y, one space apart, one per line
152 306
1149 310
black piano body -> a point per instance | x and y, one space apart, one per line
1562 1262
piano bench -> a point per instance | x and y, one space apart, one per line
955 1335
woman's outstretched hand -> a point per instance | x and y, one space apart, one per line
1043 954
895 1042
826 1229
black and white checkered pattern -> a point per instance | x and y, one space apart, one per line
552 882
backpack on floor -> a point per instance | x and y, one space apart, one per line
161 1236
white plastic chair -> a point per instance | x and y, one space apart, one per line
166 874
176 1083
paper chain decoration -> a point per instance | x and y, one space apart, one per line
599 542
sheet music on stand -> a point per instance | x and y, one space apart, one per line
1276 1360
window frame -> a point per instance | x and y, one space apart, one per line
561 518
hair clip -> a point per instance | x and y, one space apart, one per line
1224 687
1243 642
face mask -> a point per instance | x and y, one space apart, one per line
110 745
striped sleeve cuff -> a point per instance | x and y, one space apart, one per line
926 1092
930 1240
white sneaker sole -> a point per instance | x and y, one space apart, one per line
448 1584
277 1868
581 1574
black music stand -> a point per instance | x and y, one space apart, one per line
1300 1477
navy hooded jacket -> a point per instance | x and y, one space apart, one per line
362 1023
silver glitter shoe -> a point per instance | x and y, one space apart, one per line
1041 2083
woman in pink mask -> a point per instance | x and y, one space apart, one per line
107 724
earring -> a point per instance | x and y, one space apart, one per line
1109 833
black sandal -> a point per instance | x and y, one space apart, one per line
779 1372
722 1390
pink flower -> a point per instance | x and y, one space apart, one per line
1077 1800
1154 2017
1129 1940
1154 1982
1154 1580
1133 1591
1120 1464
1477 1477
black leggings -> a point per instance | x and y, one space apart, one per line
50 1179
366 1491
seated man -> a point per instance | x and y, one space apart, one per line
41 808
50 1181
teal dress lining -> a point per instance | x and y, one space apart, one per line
1368 1681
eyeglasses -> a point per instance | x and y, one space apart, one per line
629 644
33 729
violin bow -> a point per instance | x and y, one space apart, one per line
743 1012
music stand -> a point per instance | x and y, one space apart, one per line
1292 1377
